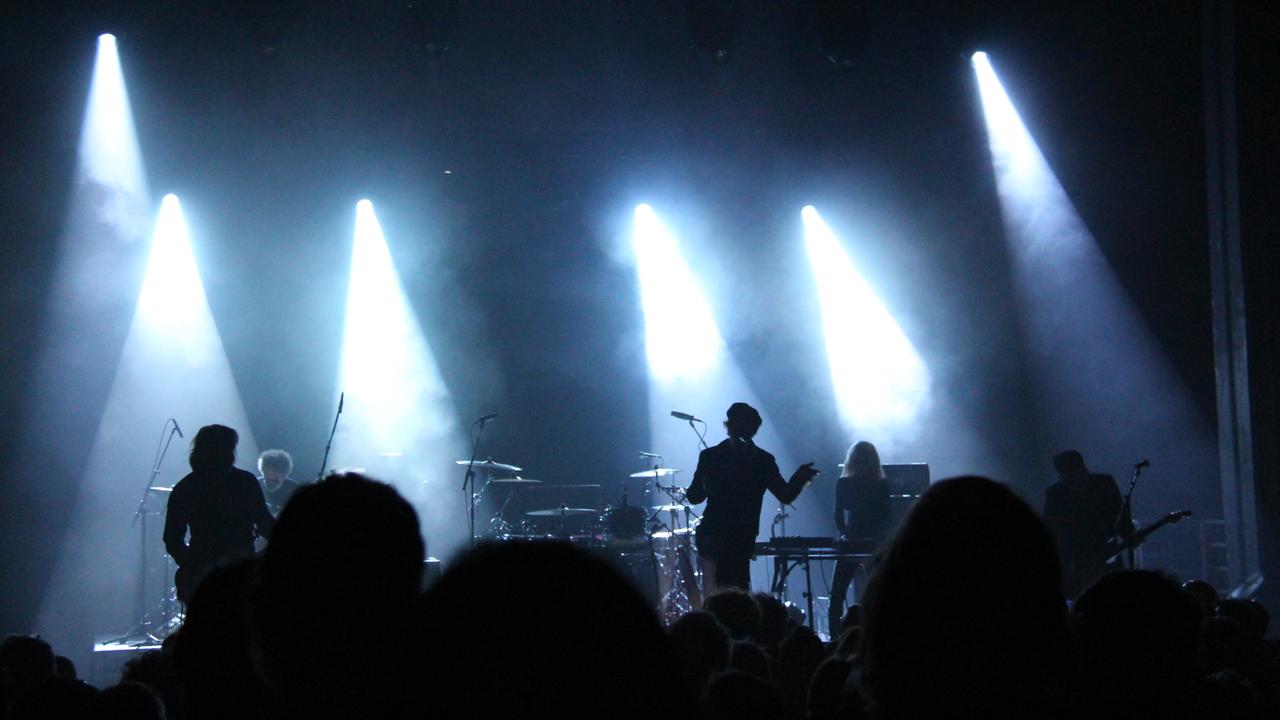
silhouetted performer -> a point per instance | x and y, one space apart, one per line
732 478
862 513
219 504
274 467
1081 509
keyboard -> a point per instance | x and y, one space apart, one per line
814 546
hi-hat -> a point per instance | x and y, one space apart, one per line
668 534
655 473
490 465
563 512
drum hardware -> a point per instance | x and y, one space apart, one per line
514 481
155 621
656 472
562 512
489 465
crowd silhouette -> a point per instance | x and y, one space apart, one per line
964 616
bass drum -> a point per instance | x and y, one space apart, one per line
624 527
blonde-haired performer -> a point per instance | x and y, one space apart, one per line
862 513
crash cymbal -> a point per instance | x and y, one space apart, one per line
655 473
673 507
514 481
490 465
563 512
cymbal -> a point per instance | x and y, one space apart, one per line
668 534
563 512
490 465
157 489
514 481
656 472
673 507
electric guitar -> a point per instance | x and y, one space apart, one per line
1085 571
1115 546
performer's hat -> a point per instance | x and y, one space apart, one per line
743 411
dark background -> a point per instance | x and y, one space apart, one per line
554 120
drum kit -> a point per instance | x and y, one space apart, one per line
652 544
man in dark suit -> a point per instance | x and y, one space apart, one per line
1083 511
732 478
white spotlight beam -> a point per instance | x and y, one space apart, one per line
882 386
399 420
690 368
173 365
682 341
109 153
1098 368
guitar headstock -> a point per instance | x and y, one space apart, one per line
1174 517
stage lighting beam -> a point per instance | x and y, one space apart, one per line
881 384
399 420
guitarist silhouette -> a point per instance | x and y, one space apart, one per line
1081 509
220 506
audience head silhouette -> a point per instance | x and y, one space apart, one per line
542 630
1138 634
736 610
969 596
342 570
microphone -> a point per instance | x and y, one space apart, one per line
342 398
684 416
485 419
1144 463
175 427
655 456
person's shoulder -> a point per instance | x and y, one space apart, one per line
718 449
183 486
244 476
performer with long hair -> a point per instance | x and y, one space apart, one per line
220 505
862 513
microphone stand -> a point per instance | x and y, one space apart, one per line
162 449
342 397
1126 508
470 479
702 435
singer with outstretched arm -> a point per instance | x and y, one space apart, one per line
732 478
